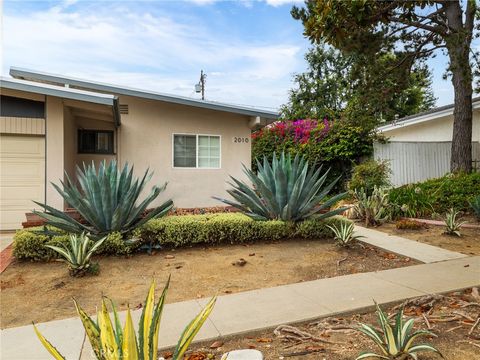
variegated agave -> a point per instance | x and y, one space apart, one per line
79 253
110 342
395 342
286 190
452 224
106 200
344 234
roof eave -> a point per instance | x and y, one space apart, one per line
40 76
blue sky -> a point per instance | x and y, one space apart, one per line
249 49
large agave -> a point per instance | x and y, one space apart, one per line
397 341
106 200
110 342
286 190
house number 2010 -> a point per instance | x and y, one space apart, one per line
241 139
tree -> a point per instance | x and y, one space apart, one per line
419 29
337 85
323 89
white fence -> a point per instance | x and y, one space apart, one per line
417 161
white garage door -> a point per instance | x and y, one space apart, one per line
22 177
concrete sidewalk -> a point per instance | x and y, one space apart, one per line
409 248
264 308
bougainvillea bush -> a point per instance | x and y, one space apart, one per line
336 144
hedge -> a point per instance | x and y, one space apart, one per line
175 231
438 195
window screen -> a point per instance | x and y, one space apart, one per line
196 151
185 151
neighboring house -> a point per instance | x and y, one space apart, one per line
419 145
49 124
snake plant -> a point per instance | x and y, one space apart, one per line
395 342
106 200
79 253
452 224
110 342
344 234
286 190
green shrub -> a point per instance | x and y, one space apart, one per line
335 144
176 231
370 174
28 244
436 195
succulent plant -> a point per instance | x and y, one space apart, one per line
78 254
452 224
110 342
344 234
286 190
397 341
475 204
106 200
374 209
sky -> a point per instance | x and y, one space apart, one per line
249 49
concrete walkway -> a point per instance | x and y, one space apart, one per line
264 308
409 248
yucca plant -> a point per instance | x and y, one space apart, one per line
286 190
78 254
397 341
110 342
452 224
344 234
475 204
106 200
374 209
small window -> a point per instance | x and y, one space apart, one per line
95 142
196 151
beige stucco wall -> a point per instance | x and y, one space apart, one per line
146 142
440 129
55 149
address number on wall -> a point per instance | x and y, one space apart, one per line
244 140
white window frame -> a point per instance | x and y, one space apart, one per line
196 152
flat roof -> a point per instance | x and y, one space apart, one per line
425 116
27 74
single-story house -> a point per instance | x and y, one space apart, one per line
50 123
419 146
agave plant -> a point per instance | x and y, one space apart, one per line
106 200
79 253
285 190
110 342
452 224
397 341
374 208
344 233
475 204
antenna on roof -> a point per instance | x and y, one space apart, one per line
200 87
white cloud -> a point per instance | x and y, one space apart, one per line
277 3
144 50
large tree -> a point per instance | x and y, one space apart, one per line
348 86
418 29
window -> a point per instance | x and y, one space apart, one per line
196 151
95 142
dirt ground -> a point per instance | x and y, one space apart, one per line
43 291
468 243
448 318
